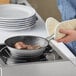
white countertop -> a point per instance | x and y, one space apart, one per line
41 69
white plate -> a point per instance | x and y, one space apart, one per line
16 24
17 29
15 11
24 19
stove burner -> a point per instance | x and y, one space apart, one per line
5 55
23 60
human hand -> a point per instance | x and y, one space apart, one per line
70 35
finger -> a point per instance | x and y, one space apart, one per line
64 31
65 40
60 40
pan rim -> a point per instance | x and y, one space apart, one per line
26 36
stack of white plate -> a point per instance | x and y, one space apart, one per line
15 17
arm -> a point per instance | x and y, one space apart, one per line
70 36
66 9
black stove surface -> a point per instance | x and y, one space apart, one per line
5 55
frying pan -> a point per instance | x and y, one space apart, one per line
30 40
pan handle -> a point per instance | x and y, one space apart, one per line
50 37
5 50
2 48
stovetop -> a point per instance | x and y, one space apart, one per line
48 55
